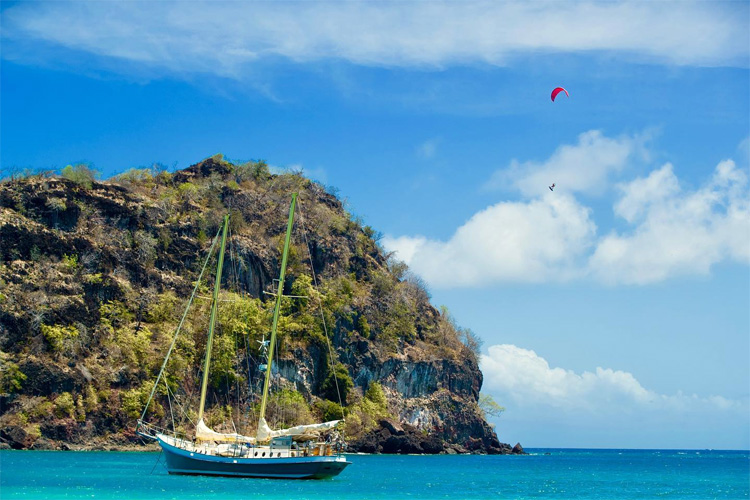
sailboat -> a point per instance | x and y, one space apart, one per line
298 452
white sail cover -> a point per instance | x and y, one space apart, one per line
205 433
265 432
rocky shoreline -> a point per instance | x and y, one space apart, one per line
390 438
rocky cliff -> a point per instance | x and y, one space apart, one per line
94 276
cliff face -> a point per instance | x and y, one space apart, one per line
94 276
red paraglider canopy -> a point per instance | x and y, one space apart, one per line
557 91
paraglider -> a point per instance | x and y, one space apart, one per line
557 91
552 187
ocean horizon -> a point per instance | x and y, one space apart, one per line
558 473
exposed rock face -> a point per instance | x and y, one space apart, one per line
207 167
94 261
44 444
16 437
414 379
394 437
401 438
44 378
428 397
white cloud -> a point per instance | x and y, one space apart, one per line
584 167
533 241
552 237
640 194
226 38
675 232
525 379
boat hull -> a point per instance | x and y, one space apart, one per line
185 462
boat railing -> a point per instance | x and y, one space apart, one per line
284 446
149 431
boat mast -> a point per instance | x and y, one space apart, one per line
212 321
272 342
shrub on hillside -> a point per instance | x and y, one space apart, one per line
11 377
80 174
337 382
64 405
60 338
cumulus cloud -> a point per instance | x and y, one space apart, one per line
509 241
676 232
226 38
584 167
552 236
524 378
639 194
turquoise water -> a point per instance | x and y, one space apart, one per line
563 474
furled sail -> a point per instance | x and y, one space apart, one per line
205 433
265 432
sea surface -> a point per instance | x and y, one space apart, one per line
544 474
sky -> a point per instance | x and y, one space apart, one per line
614 310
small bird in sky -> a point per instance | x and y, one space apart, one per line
552 187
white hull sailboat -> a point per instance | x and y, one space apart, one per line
294 453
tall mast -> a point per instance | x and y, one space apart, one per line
277 307
212 321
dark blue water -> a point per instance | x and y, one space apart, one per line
563 474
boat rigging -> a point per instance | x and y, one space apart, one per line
297 452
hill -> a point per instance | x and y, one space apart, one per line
94 276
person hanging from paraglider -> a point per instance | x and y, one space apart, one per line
552 187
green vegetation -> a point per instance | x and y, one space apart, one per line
81 174
365 414
143 177
489 406
70 263
11 377
337 382
288 408
91 399
187 191
42 410
134 401
80 411
60 338
56 204
64 405
329 410
376 395
33 430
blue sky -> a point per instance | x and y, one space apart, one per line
615 311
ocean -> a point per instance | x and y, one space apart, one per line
544 474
